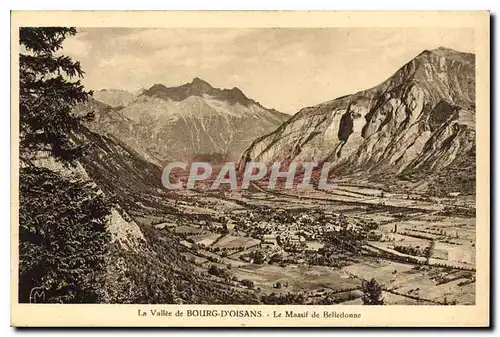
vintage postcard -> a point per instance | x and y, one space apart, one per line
307 169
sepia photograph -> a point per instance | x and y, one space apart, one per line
250 172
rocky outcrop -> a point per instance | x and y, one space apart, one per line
420 120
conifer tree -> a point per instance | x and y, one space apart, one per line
62 219
372 293
47 95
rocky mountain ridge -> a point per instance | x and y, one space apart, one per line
116 98
419 121
186 122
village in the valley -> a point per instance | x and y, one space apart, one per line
322 245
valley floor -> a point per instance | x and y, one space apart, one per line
319 246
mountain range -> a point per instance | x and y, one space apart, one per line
416 128
188 122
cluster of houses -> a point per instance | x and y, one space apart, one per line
295 236
278 231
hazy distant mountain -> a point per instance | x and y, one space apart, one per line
115 97
109 122
414 125
187 122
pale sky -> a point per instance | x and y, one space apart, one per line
282 68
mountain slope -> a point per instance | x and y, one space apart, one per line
144 264
109 122
187 122
420 120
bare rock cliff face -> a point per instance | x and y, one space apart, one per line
419 121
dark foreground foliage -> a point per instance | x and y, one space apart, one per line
62 237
